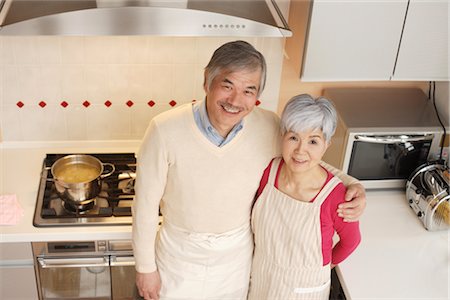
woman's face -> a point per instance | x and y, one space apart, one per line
230 97
303 151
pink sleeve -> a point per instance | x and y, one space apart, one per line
348 232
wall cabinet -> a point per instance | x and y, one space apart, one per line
424 47
17 276
376 40
352 40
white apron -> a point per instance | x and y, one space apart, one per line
288 261
204 265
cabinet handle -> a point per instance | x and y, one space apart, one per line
122 261
73 262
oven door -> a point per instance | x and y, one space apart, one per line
386 161
75 278
123 277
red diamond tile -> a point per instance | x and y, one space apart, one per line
108 103
173 103
42 104
257 102
86 103
20 104
129 103
64 104
151 103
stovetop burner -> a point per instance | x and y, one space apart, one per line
112 206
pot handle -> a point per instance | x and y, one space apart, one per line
46 178
113 168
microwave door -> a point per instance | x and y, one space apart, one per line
387 157
394 155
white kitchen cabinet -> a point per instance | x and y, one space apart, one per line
377 40
353 40
424 47
17 277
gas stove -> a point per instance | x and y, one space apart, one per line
112 206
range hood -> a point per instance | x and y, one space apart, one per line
242 18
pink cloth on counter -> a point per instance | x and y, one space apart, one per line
10 210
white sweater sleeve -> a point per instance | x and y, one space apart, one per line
151 175
345 178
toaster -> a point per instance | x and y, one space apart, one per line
427 192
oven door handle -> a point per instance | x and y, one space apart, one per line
122 261
384 139
73 262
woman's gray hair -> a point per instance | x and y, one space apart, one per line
236 56
303 112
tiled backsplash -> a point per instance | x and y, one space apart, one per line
94 88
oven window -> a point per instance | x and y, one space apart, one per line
378 161
123 283
75 282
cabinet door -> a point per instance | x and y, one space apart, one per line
18 282
17 276
353 40
424 49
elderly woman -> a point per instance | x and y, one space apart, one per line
294 216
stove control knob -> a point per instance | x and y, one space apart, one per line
418 191
420 214
411 201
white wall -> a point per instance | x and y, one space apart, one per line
54 69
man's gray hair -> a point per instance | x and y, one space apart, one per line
303 112
236 56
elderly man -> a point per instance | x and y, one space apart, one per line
201 165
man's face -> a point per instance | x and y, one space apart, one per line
230 97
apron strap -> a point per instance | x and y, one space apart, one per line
327 189
273 171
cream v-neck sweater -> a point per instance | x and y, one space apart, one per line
202 187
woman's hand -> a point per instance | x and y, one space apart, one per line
352 210
148 285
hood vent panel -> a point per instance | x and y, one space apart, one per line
143 17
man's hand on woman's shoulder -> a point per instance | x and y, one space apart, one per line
352 210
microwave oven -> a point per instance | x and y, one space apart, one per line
382 134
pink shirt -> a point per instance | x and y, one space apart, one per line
349 234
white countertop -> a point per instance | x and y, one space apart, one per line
397 259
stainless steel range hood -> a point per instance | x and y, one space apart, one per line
143 17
